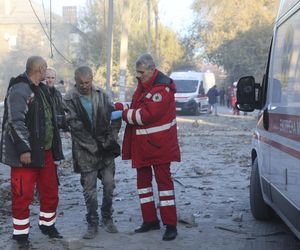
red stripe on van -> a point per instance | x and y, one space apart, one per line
293 152
283 125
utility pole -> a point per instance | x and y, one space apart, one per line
109 47
155 8
123 51
149 27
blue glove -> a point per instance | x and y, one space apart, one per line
116 115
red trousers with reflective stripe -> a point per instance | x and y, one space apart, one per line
164 183
23 182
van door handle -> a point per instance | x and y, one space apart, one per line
266 119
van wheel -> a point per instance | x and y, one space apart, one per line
260 210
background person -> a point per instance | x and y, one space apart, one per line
234 100
57 97
222 96
150 141
229 93
30 143
94 146
213 99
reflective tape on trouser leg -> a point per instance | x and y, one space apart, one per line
167 209
148 208
147 204
47 219
146 199
166 194
166 198
167 203
22 195
145 191
146 195
21 226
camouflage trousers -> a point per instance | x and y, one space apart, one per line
88 181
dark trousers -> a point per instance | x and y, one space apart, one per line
88 181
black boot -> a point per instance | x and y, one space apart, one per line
147 226
21 242
51 231
170 233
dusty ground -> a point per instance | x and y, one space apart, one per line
212 192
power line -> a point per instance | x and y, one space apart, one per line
45 15
67 60
51 29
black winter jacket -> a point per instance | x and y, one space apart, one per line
58 105
23 126
212 94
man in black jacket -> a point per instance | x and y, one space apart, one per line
213 94
56 96
30 143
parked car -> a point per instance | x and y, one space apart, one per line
275 176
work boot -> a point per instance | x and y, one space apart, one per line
91 232
20 242
109 225
170 233
147 226
51 231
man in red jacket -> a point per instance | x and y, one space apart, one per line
150 141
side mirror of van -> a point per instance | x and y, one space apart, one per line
248 94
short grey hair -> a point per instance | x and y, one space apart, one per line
83 71
146 60
52 69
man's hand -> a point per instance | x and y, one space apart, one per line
119 106
25 158
122 105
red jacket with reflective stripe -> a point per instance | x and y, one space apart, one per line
151 131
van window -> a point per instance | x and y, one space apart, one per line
286 63
201 89
186 86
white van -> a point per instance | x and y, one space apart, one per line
275 176
191 91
